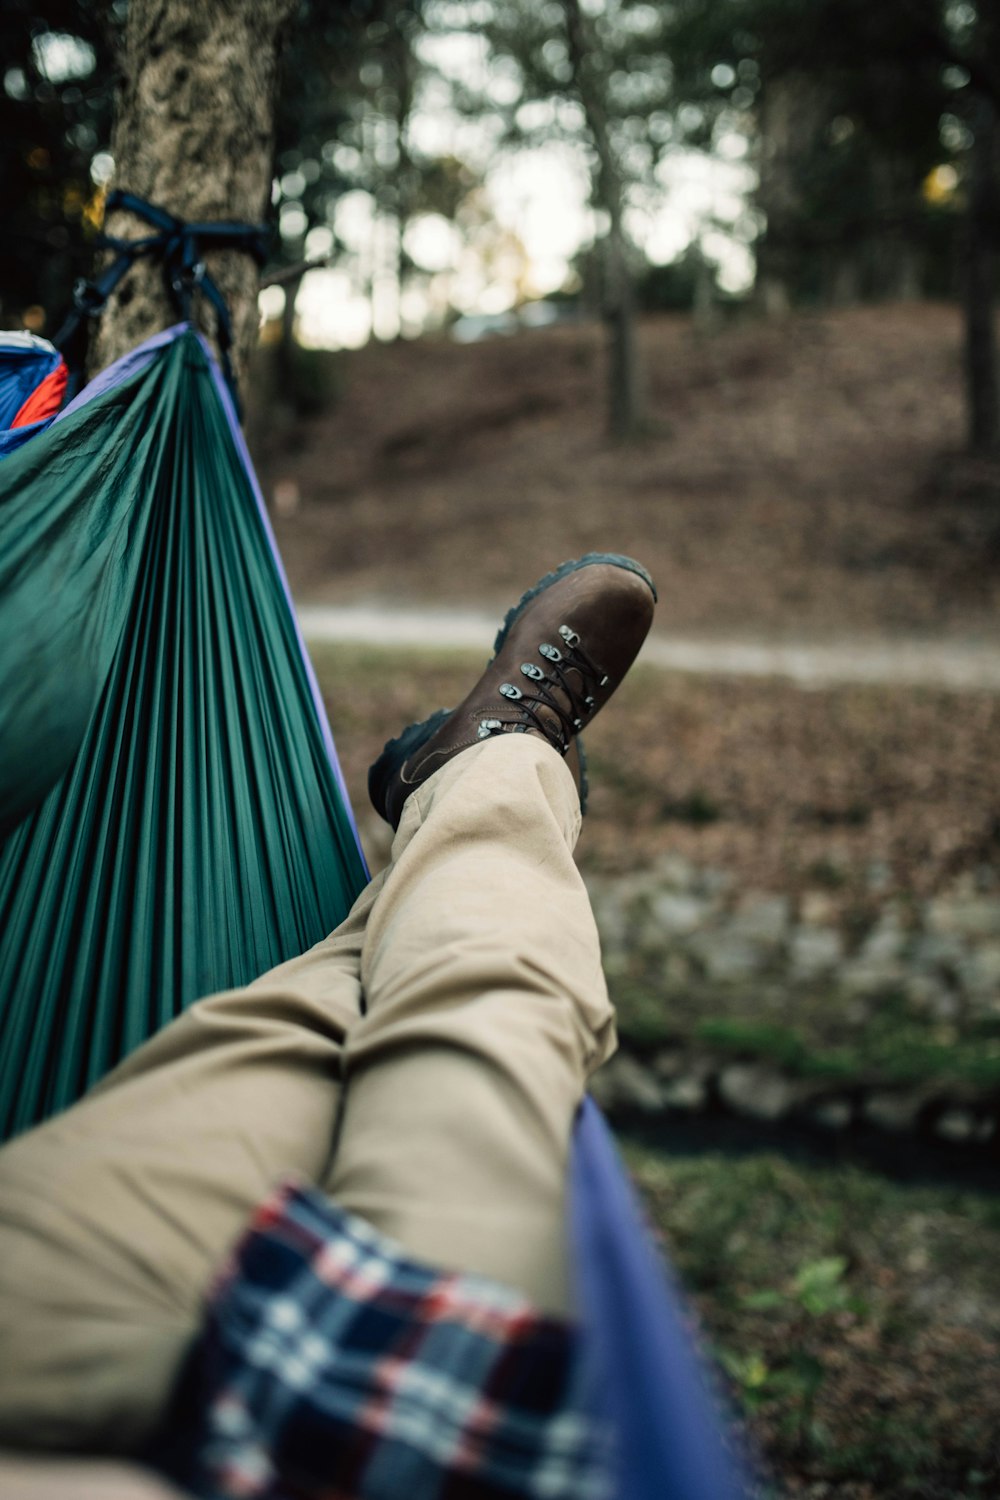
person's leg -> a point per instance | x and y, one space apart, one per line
115 1215
79 1479
487 1008
481 963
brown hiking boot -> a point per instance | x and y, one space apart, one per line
558 657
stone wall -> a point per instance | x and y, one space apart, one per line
822 964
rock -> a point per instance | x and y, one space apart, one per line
929 995
878 876
817 909
892 1110
762 1093
609 913
885 943
948 1006
714 883
833 1113
815 951
937 952
965 916
669 1063
688 1093
963 1126
675 872
624 1083
616 962
761 919
676 970
727 958
678 915
979 972
868 978
771 996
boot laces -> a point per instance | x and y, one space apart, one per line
546 683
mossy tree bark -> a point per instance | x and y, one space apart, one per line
194 133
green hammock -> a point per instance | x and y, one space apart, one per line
188 825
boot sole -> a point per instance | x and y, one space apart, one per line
396 752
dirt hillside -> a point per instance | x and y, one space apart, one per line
798 479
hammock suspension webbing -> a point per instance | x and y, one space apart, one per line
181 248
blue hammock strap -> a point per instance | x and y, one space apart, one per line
181 247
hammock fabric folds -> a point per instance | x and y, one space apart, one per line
189 827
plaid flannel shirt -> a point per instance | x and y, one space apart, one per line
331 1366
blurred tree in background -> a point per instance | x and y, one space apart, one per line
978 51
842 101
343 126
875 137
57 69
600 74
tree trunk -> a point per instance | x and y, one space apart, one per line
791 110
194 133
624 395
625 416
981 375
402 74
285 352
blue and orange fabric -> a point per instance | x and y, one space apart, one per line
33 378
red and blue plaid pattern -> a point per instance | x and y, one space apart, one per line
333 1367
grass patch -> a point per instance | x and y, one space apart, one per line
888 1045
854 1318
780 1045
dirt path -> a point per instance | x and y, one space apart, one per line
963 665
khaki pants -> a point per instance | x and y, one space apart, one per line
423 1065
